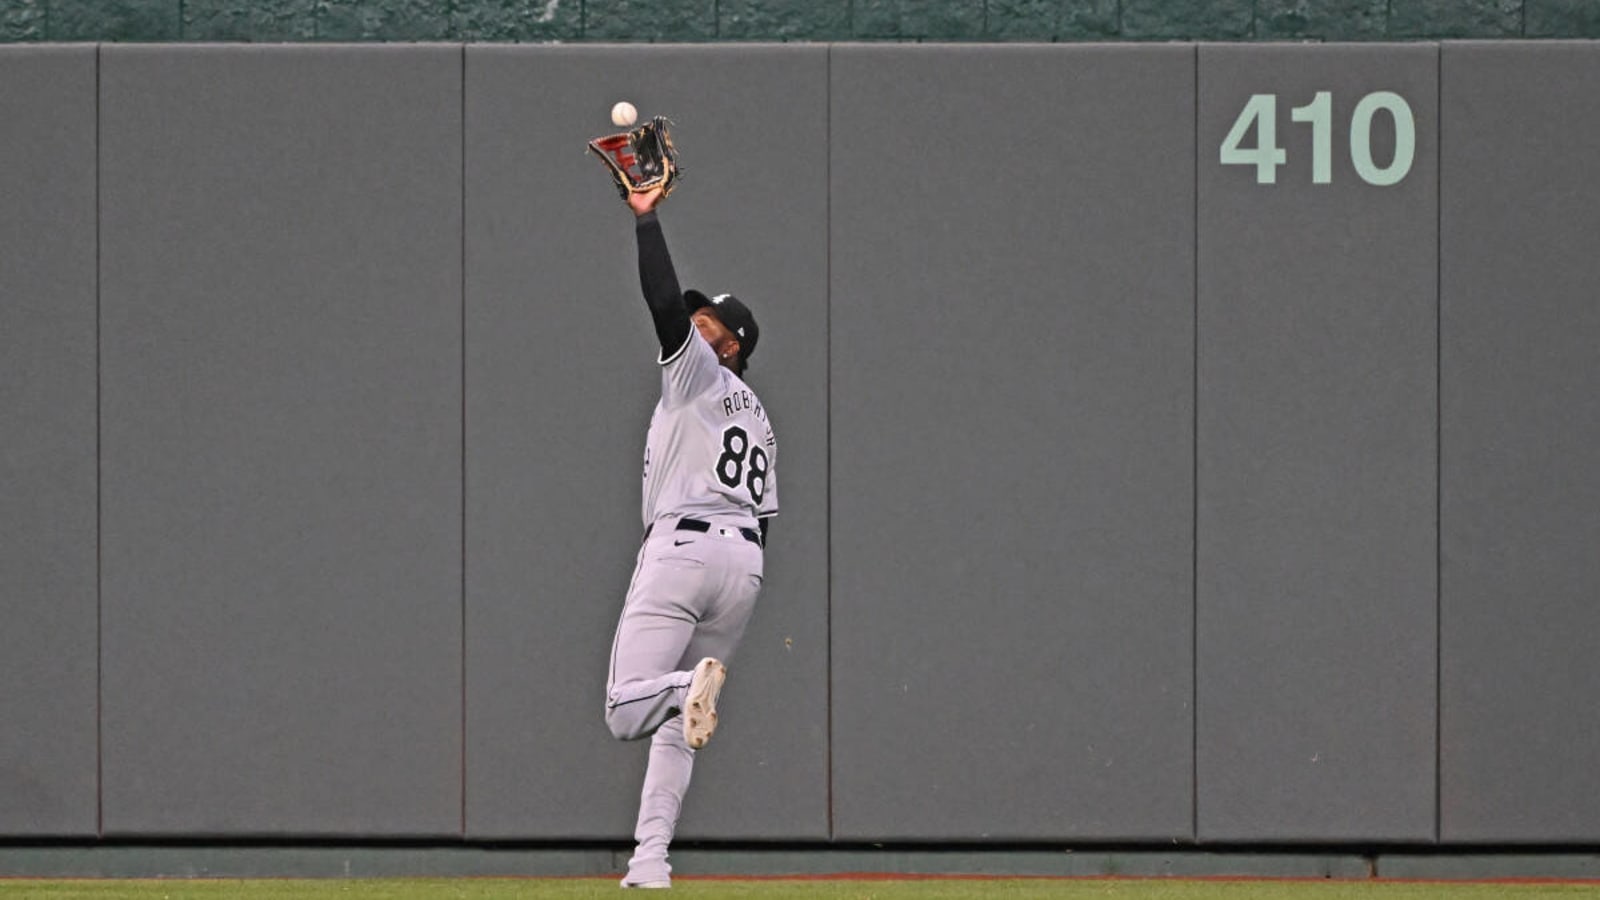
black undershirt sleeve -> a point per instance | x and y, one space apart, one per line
765 524
659 282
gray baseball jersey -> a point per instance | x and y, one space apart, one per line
711 453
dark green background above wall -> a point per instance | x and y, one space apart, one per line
791 20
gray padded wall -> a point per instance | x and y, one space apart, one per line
1012 448
561 379
282 450
48 640
281 298
1520 729
1316 470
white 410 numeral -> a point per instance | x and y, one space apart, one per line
1261 113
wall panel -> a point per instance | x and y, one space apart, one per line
561 379
281 286
1316 588
1012 357
48 529
1520 477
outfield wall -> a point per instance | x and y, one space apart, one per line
1129 496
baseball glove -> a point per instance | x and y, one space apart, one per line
641 159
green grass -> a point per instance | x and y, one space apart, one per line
1007 889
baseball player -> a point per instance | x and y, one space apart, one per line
710 490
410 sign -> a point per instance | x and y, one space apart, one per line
1261 113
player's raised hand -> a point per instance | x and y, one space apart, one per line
644 201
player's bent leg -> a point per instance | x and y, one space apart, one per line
636 709
646 684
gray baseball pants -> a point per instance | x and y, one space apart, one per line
691 597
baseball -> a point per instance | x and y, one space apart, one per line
623 114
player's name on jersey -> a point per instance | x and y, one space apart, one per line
739 401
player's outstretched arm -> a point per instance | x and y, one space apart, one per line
657 278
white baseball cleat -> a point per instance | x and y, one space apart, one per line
700 709
647 884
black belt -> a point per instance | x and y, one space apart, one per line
749 534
